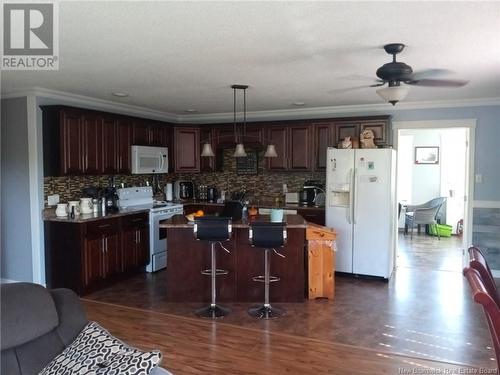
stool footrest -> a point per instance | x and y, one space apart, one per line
218 272
262 279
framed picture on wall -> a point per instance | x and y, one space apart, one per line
426 155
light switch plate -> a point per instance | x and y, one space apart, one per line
52 200
479 178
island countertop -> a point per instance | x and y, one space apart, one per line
180 221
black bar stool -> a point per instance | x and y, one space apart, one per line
214 230
267 236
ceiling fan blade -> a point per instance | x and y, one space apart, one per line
429 73
438 82
382 83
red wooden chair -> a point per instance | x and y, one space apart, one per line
478 262
482 296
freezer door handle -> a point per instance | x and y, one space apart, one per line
349 208
353 193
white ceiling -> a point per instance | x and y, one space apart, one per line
171 56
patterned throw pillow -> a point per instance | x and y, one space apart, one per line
96 352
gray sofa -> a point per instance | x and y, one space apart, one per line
36 325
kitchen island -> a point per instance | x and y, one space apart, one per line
186 257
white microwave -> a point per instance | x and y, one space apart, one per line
148 160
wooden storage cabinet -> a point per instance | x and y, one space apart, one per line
85 142
135 241
324 134
187 149
380 125
70 129
293 145
85 256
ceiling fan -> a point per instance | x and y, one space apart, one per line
396 72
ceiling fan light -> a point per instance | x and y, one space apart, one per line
240 151
393 94
207 150
271 152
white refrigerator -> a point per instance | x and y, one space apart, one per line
361 207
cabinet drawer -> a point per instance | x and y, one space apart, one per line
135 220
101 227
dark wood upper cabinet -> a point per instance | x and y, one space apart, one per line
323 138
207 164
140 133
79 141
187 149
293 145
92 144
224 136
254 136
381 129
346 129
380 125
123 143
157 135
110 153
300 147
71 145
278 136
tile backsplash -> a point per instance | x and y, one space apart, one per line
264 186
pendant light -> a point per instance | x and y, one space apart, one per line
239 152
271 152
207 150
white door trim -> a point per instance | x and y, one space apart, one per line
36 204
470 125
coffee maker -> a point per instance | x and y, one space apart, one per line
311 193
183 190
111 200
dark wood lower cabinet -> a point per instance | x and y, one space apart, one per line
84 256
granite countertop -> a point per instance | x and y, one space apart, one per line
286 206
180 221
49 214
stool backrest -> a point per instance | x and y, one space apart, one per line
233 209
478 262
212 228
482 296
267 235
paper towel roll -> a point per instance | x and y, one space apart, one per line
168 192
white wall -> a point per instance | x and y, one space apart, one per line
426 178
16 246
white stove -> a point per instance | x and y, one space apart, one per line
139 198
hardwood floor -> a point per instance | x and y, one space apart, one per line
425 311
195 346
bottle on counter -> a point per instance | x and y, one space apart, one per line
244 211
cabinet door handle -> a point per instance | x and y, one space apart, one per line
103 246
136 238
137 220
106 244
103 225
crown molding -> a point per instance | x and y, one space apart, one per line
281 114
323 112
66 98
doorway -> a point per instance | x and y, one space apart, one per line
435 160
